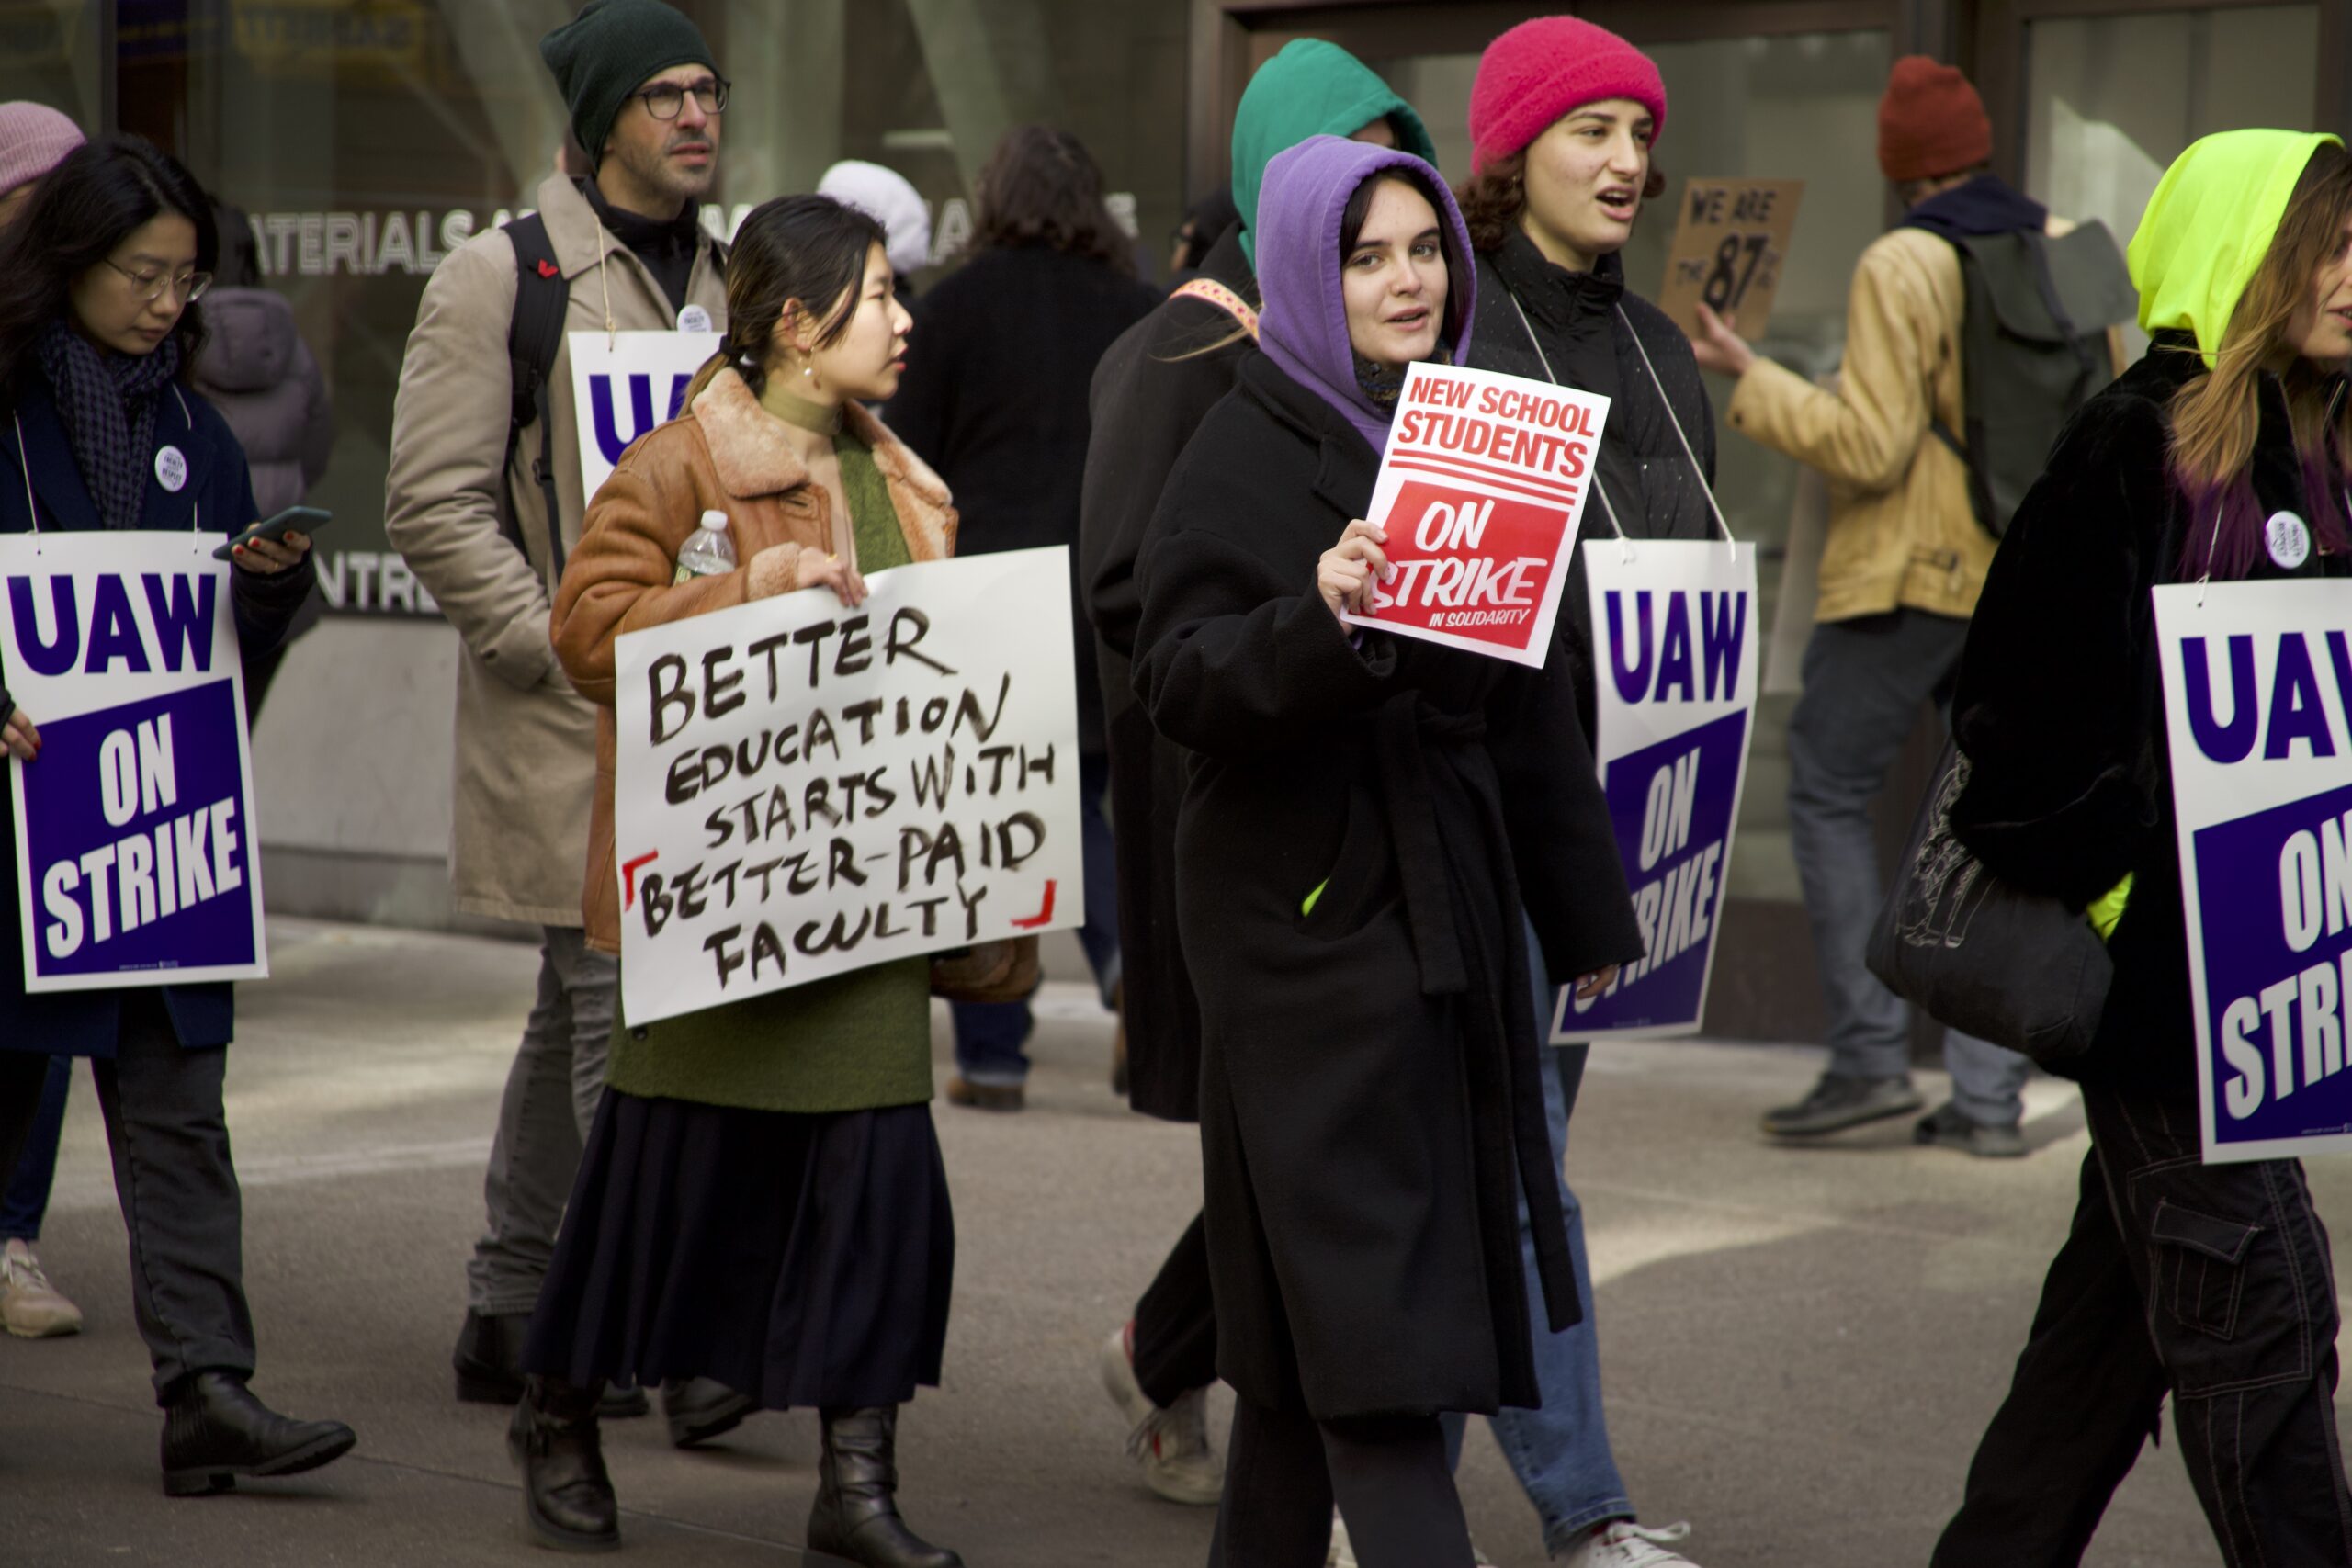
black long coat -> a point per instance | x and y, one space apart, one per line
1587 331
2060 705
1360 823
994 398
1153 388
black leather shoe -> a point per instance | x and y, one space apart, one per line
699 1409
215 1430
567 1496
489 1364
856 1512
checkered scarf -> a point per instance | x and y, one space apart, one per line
108 404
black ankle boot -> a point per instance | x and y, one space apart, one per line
567 1497
214 1430
856 1512
489 1364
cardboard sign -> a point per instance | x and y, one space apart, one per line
623 384
135 836
1675 655
1481 490
803 789
2257 679
1730 244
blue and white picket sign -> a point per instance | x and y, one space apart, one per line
1674 635
623 384
2257 677
135 840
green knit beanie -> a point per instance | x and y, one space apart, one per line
609 51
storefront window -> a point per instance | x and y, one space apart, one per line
1798 106
51 53
367 139
2114 99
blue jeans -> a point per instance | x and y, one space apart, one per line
1560 1453
1864 680
989 1035
26 1201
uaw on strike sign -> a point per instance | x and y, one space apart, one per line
1480 490
2258 708
134 828
803 789
1674 654
623 384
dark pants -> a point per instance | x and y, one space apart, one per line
989 1035
177 1189
1388 1474
25 1201
1175 1345
2211 1283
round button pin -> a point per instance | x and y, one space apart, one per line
694 319
2288 538
171 469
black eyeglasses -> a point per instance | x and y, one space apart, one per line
664 100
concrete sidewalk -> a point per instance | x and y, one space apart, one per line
1802 1345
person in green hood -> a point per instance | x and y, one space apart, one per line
2219 454
1150 392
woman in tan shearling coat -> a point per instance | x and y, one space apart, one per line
761 1198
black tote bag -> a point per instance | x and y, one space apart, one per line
2016 968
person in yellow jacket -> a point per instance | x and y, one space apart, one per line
1899 573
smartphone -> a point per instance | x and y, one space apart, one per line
293 520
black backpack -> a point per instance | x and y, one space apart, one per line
2033 349
534 335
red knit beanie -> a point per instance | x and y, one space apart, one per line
1545 69
1930 123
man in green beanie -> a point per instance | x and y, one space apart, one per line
467 506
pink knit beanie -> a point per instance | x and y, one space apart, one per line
1544 69
34 138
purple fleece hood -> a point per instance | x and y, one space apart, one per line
1302 325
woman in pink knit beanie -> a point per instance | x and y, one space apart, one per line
34 138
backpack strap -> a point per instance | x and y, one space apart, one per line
534 335
1223 299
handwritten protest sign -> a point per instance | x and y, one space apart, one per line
1481 490
1729 247
623 384
804 789
135 861
1674 627
2257 677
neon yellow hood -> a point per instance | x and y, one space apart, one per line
2208 226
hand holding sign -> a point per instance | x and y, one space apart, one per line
1349 570
1730 244
18 736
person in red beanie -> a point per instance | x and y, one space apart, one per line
1563 116
1899 573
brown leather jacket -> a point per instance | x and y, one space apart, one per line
729 452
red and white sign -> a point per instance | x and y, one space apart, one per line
1481 489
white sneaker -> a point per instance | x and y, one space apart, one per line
1625 1544
1171 1444
1343 1552
30 1307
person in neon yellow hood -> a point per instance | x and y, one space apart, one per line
2220 454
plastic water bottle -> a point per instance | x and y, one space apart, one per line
708 550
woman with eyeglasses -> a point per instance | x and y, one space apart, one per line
99 430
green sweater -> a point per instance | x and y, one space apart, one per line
854 1041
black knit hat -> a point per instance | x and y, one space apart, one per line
611 48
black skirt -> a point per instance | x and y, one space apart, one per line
807 1259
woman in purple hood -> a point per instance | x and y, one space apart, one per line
1364 816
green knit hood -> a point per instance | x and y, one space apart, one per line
2209 225
1311 88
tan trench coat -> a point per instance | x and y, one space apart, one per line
730 454
1901 530
526 740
